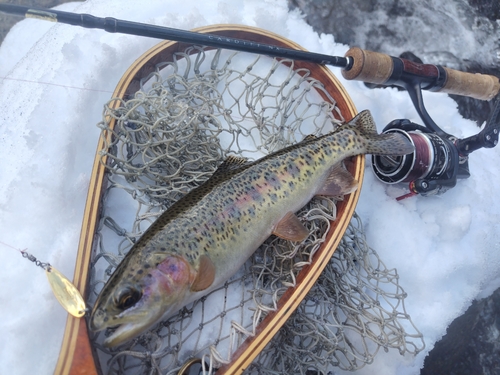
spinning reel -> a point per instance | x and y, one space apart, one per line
439 158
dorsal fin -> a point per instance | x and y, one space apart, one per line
232 163
228 166
309 137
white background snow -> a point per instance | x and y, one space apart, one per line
54 80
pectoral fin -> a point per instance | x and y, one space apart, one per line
290 228
205 276
339 182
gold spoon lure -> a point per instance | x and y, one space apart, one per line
66 293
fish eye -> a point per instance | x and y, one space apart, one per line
128 298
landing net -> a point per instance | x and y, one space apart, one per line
189 115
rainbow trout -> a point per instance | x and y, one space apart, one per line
205 237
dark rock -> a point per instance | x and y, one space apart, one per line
487 8
471 344
474 109
397 9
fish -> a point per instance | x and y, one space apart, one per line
202 239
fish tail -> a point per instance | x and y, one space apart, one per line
380 144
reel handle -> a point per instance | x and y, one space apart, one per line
379 68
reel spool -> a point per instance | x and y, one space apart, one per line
430 169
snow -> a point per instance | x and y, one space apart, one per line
54 81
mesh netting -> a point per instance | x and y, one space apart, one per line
188 116
355 308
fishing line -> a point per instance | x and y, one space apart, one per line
12 247
55 84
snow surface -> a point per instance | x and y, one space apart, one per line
54 80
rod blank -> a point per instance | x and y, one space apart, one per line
114 25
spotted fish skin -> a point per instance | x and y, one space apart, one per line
205 237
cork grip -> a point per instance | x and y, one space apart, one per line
368 66
479 86
378 68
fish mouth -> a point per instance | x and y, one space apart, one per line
122 333
117 334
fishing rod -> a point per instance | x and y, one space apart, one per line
114 25
439 158
358 64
